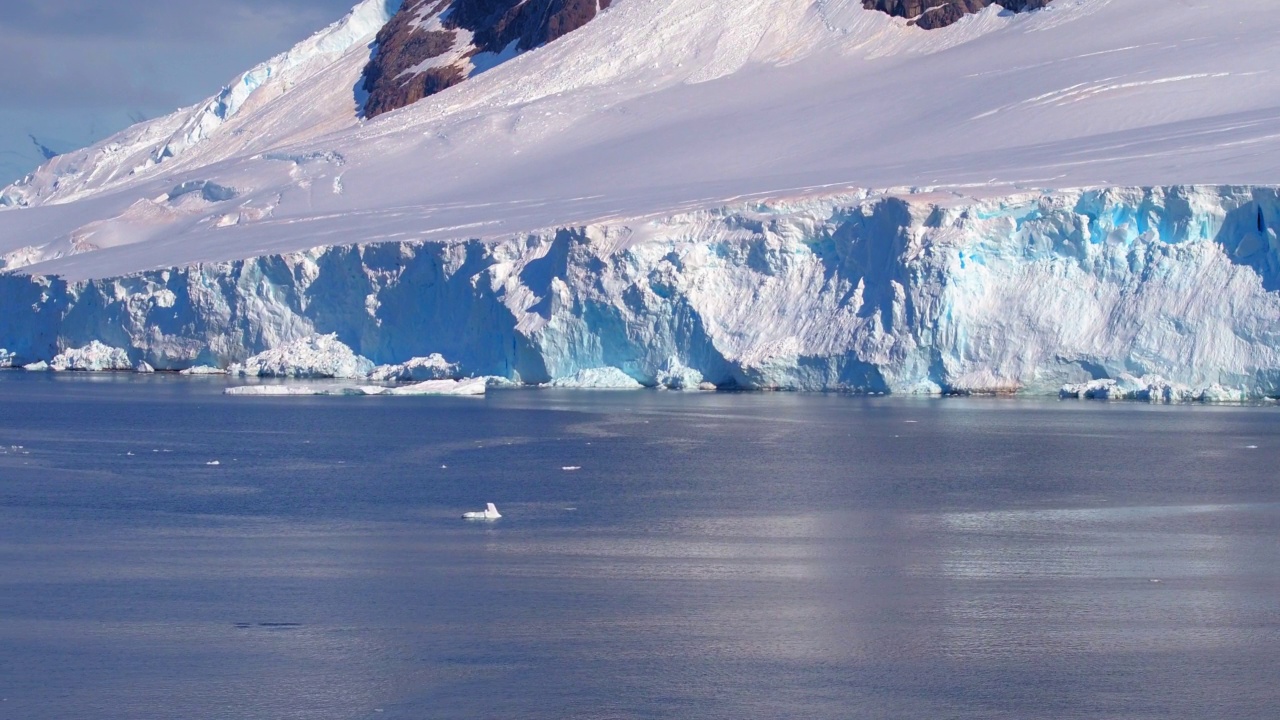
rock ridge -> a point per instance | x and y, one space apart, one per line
432 45
933 14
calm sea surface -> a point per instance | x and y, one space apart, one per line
716 556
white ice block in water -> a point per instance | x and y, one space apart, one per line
471 387
490 512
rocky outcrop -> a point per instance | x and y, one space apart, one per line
932 14
431 45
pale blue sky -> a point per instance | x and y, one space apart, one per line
76 71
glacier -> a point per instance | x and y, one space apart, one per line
1079 200
911 291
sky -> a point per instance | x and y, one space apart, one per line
80 70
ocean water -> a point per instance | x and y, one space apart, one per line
715 556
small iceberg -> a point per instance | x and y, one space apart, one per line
606 378
490 512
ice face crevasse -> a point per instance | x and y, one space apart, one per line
875 293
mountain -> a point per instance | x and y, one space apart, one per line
432 45
933 14
300 94
751 193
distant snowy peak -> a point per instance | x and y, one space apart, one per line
431 45
155 143
933 14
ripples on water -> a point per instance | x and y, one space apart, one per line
717 556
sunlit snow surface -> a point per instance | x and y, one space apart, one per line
706 160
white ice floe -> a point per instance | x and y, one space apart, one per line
6 358
490 512
1150 388
203 370
94 357
602 378
318 356
431 367
571 468
469 387
143 368
214 462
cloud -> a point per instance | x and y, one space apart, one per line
90 53
190 20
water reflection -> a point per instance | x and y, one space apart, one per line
752 556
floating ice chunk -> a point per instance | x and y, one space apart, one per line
305 390
677 376
143 368
1216 393
1150 388
490 512
6 358
607 378
38 366
94 357
571 468
203 370
431 367
468 388
318 356
213 462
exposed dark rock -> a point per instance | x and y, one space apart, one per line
932 14
426 30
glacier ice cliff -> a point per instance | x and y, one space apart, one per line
910 292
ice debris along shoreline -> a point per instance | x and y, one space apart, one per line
1153 389
325 357
471 387
912 292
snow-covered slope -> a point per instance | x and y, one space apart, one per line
676 190
296 95
671 104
